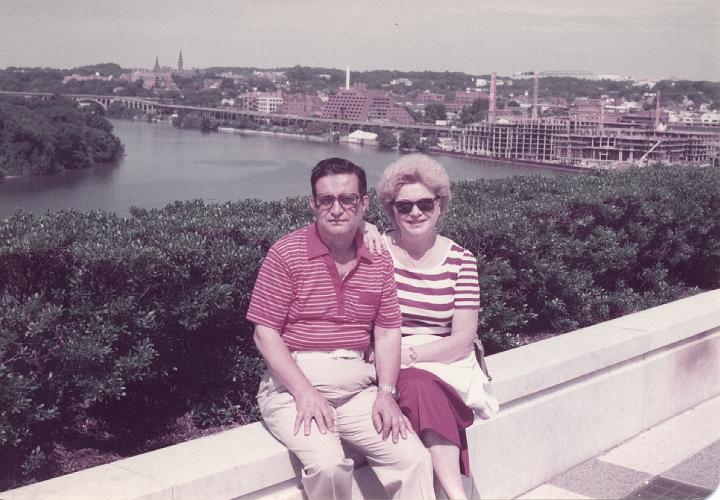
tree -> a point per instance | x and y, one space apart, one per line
386 139
435 111
318 128
42 137
476 112
409 140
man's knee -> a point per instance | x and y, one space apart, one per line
328 477
407 455
329 464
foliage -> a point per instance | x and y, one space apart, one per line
318 128
129 322
132 322
409 139
435 111
194 120
386 139
43 137
476 112
563 253
103 69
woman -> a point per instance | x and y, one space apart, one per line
439 299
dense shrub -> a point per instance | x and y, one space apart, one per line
127 323
557 254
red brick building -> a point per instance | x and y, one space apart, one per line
361 104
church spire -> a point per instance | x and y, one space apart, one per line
180 62
157 64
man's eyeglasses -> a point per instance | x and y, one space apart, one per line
347 200
423 204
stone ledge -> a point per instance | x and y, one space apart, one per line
532 368
573 395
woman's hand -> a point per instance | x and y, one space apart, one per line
408 356
372 238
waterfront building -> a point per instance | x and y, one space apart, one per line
304 105
528 140
269 102
358 103
362 137
616 146
631 140
263 102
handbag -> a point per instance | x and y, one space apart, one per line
469 376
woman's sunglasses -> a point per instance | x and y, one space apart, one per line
423 204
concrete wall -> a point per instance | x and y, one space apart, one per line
563 400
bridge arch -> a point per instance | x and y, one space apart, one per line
91 101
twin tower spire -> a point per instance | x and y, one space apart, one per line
179 65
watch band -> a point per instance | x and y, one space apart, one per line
392 390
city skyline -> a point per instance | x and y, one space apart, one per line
638 38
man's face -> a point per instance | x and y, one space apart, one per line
333 205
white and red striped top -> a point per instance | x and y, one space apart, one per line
429 297
299 293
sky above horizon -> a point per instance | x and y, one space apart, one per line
638 38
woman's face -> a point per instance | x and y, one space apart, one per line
417 222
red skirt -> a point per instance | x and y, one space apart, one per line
431 404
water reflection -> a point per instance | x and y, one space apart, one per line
164 164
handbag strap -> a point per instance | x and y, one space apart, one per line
480 355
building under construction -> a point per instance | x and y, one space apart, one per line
568 142
618 146
579 141
576 143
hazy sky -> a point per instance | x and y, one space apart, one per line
641 38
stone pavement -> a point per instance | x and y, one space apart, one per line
676 459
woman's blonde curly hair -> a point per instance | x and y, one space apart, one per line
410 169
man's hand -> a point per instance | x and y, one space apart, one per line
388 418
311 405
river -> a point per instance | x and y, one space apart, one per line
164 164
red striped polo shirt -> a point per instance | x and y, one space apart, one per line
299 293
429 297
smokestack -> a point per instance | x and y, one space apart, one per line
535 97
493 90
657 110
347 78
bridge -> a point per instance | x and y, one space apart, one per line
234 115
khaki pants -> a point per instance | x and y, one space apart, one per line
404 468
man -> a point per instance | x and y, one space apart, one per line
318 295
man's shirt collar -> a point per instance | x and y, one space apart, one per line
317 247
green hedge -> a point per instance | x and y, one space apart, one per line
128 323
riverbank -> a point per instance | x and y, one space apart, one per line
469 156
429 151
271 133
330 138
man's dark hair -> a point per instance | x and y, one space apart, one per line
334 166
